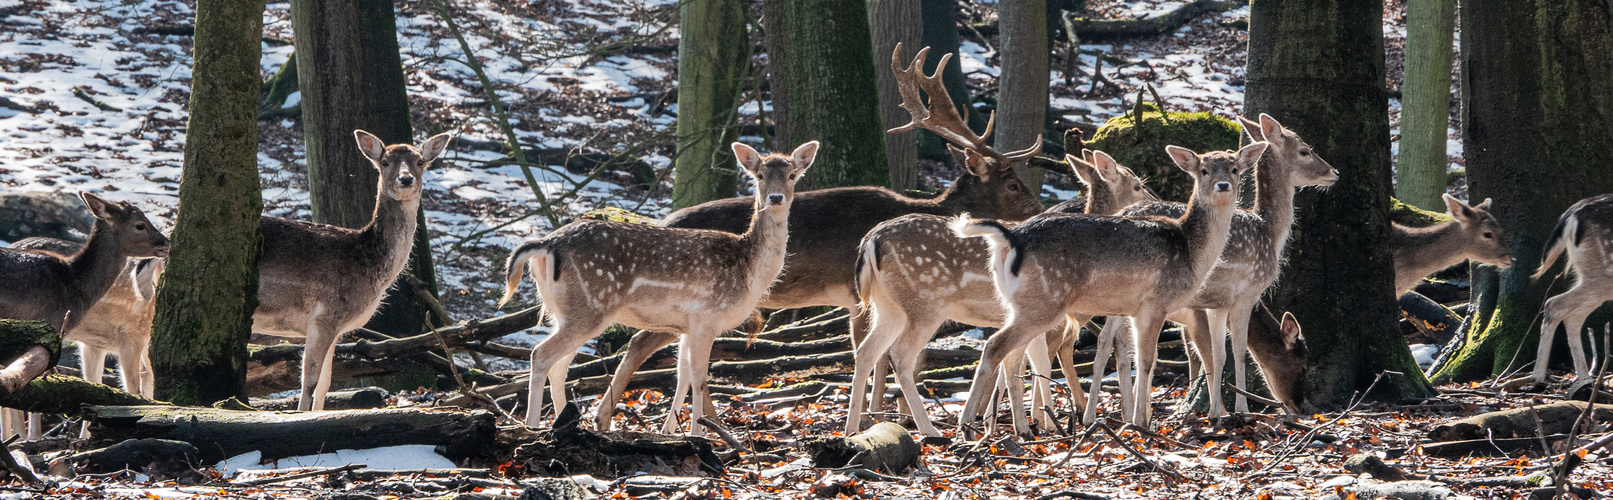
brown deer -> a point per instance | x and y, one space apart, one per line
1585 233
1471 233
61 289
1249 264
319 281
913 275
828 223
1060 267
699 282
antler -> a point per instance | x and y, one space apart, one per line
941 117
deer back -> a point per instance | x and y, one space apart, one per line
60 289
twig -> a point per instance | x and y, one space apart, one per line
16 469
85 96
1256 398
470 392
1139 454
302 475
1140 430
1072 494
726 436
1307 436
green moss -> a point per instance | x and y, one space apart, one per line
1410 216
1138 141
614 214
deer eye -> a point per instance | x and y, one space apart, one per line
385 164
1136 188
1488 235
1204 171
142 227
1304 152
792 176
1013 186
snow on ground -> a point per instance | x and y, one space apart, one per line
414 456
57 56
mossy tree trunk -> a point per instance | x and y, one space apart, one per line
713 55
941 36
206 298
1022 89
351 77
1425 112
893 22
824 54
1538 119
1339 281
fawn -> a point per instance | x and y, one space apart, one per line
828 223
1248 265
1585 233
1471 233
319 281
61 289
913 274
1061 266
591 274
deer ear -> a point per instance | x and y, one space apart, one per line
1086 154
1269 127
1185 158
1483 206
803 155
1086 172
976 164
748 158
1251 153
434 147
1106 164
370 145
102 209
1290 329
1456 208
1251 128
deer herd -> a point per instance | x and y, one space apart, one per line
982 253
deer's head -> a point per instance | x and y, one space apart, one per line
131 230
1285 376
1216 174
1482 233
402 166
1109 184
775 174
1305 167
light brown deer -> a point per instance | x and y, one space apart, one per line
828 223
698 282
319 281
914 275
1471 233
1585 233
1060 267
60 289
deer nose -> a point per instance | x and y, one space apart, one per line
776 199
406 181
1223 186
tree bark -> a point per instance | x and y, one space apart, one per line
941 36
1022 89
351 77
1339 279
713 54
207 295
893 22
1425 110
1537 119
827 62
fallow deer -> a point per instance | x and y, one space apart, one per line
1248 266
60 289
1471 233
913 274
698 282
1060 267
1585 233
828 223
319 281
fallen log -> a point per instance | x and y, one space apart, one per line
356 399
885 447
133 454
1433 320
63 395
1555 418
568 450
221 434
1498 447
28 349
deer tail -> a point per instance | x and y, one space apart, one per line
867 267
535 252
997 236
1567 230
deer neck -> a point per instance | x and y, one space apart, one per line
764 245
1274 197
391 232
1206 227
1100 201
94 268
1419 252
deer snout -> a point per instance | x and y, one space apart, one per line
1223 186
775 199
406 181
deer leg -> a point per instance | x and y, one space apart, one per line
1008 341
889 327
670 426
11 422
1198 339
699 341
1214 320
570 333
148 375
93 362
1574 328
1568 309
1066 348
1014 380
1041 388
1238 329
1145 335
643 345
905 356
1112 328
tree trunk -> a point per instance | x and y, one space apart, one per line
1022 89
1538 116
1340 277
893 22
941 36
1426 106
827 61
351 77
206 298
713 54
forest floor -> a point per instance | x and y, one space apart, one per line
95 98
